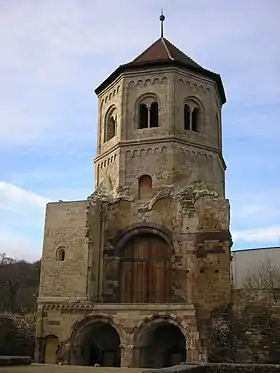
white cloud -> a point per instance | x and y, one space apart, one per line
258 235
19 247
250 210
22 219
12 195
51 45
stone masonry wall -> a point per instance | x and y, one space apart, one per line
203 92
65 227
168 153
198 228
67 321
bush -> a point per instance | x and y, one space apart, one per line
17 335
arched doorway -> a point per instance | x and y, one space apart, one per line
146 270
161 345
51 348
100 343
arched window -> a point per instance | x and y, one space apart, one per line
145 187
187 112
154 114
195 114
110 124
143 116
148 113
60 254
191 117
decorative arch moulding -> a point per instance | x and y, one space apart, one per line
147 82
109 96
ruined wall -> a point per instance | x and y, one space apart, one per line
197 221
65 228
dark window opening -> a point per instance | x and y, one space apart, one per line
154 115
143 116
111 128
60 255
187 117
195 113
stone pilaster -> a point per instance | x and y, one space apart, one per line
126 355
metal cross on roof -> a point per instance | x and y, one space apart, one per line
161 18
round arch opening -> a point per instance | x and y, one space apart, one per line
100 344
161 345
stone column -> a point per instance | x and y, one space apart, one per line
189 287
193 353
126 355
149 116
39 350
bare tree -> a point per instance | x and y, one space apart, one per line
265 277
19 281
4 259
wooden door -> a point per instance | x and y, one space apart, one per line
51 348
146 271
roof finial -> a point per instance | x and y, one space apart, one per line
161 18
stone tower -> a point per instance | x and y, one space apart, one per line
130 275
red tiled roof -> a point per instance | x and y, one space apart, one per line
163 50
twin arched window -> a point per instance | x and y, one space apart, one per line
191 117
148 115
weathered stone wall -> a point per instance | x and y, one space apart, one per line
186 204
175 156
145 84
67 321
65 228
112 96
107 161
203 92
198 228
107 169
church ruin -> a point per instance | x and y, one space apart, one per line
130 274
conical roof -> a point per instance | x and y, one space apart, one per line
163 50
163 53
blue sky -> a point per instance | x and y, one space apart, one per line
53 55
